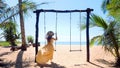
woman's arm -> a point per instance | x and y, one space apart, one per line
56 37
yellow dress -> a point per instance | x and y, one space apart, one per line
46 53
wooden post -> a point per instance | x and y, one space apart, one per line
36 35
87 34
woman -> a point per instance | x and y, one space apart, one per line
45 54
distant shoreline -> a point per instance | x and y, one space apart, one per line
67 43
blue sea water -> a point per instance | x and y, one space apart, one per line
72 43
67 43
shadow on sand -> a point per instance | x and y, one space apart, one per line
19 60
52 65
2 63
20 63
96 65
103 62
5 53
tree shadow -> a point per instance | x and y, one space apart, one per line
19 63
2 64
52 65
6 64
104 62
5 53
19 60
26 64
96 65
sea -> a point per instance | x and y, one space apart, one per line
66 43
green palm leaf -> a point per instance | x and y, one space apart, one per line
98 21
96 40
104 5
14 11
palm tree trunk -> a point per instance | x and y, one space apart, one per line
22 26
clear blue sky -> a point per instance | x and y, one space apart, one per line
63 19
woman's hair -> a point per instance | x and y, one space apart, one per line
49 35
48 38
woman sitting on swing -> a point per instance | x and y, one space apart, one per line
45 54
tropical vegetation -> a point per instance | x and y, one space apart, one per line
21 9
110 39
4 43
30 39
10 32
112 7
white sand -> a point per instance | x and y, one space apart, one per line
63 58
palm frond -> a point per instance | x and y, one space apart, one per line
3 6
9 13
96 40
13 11
104 5
117 33
28 6
110 27
109 49
1 35
83 25
98 21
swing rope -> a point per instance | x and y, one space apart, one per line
45 26
79 32
80 28
56 29
70 31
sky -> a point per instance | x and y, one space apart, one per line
63 20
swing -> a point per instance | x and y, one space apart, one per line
56 29
79 32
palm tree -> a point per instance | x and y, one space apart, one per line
10 32
22 8
30 39
113 8
109 39
13 11
22 25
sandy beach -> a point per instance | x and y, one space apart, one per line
63 58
